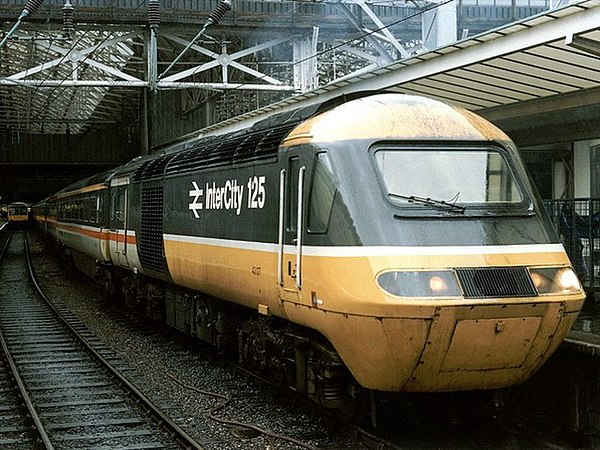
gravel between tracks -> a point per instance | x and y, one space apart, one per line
151 357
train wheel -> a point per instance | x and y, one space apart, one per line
355 408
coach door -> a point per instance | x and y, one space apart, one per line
292 184
118 221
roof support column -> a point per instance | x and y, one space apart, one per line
306 76
439 24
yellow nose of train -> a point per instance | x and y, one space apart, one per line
447 325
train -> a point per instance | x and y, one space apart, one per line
17 214
379 242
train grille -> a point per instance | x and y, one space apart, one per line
492 282
151 232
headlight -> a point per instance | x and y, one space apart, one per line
439 283
555 280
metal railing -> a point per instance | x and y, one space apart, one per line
577 221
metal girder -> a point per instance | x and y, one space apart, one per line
74 57
583 44
382 32
224 60
164 85
374 37
377 38
40 82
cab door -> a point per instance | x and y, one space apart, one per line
119 221
292 199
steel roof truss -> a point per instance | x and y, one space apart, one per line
367 34
224 59
75 57
388 36
549 30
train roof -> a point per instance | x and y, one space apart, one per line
395 117
296 115
92 183
259 141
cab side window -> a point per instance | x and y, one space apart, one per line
324 187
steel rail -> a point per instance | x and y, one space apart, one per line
39 426
166 422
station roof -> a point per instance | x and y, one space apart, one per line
551 56
57 108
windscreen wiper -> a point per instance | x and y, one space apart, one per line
430 201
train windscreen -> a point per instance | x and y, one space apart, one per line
460 177
17 210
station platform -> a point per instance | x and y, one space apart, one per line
585 335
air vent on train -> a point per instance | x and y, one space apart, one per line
490 282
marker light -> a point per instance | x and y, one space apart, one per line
439 283
555 280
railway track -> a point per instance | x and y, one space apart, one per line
74 398
16 426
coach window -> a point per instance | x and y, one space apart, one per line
100 209
87 210
324 187
85 215
91 209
